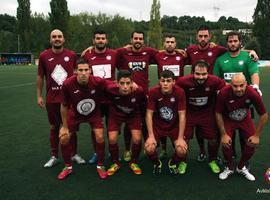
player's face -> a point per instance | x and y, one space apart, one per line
137 40
170 44
203 38
200 74
100 41
166 85
239 87
233 43
83 73
125 85
57 39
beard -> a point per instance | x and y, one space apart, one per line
100 47
234 49
137 45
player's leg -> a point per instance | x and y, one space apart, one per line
135 151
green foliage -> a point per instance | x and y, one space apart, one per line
24 25
262 27
59 16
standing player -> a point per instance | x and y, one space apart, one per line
102 62
201 89
173 61
232 112
235 61
81 96
125 108
55 64
166 117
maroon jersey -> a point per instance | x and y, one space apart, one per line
209 55
83 100
137 63
124 105
102 64
174 63
200 97
237 108
56 68
166 107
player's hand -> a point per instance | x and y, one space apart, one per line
182 52
212 44
226 140
134 86
40 102
181 145
150 143
256 87
253 141
128 47
64 136
254 55
88 49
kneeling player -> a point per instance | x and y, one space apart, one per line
80 104
125 108
166 116
232 112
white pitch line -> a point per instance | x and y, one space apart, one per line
18 85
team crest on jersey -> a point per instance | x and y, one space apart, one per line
241 62
66 58
166 113
108 57
133 100
93 91
172 99
86 106
177 58
207 89
267 175
238 114
210 53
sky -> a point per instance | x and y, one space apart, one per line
140 9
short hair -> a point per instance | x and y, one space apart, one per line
80 61
99 32
204 28
232 33
200 63
124 74
137 31
169 36
167 74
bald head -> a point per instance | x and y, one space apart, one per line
57 40
239 84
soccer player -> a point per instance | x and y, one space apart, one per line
125 108
170 60
166 116
201 89
55 65
232 112
102 61
235 61
81 96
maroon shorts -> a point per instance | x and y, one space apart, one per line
133 122
204 122
95 122
246 127
172 134
53 112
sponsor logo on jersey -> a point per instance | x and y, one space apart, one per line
226 61
173 68
160 99
137 66
86 106
76 91
165 58
102 71
50 59
231 101
238 114
198 101
228 76
93 58
66 58
59 74
166 113
195 52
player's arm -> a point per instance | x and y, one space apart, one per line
64 134
225 138
87 49
39 84
149 123
252 54
180 142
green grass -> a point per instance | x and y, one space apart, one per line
24 147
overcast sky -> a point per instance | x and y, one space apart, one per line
140 9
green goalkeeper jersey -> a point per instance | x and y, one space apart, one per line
226 66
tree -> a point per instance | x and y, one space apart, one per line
24 25
261 28
59 16
155 32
